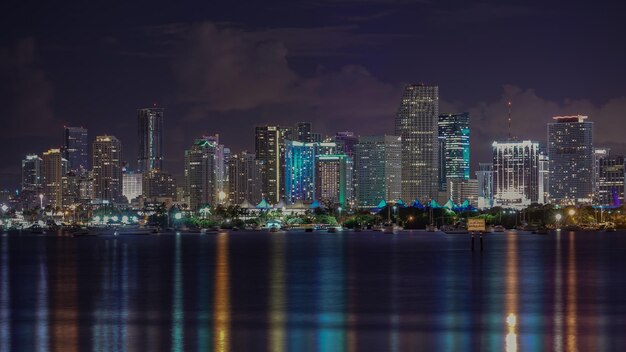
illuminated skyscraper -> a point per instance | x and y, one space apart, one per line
52 170
378 169
454 138
270 151
417 124
158 184
200 173
150 138
515 173
31 172
107 168
544 178
611 180
300 169
244 178
570 149
333 179
76 148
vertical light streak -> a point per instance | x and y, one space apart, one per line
511 295
221 317
5 299
178 314
277 301
571 322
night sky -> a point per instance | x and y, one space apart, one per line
226 66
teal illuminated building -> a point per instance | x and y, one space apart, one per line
300 169
333 179
454 147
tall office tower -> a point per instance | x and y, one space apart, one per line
417 124
245 179
159 184
378 169
345 142
226 185
75 148
299 171
460 190
303 131
333 179
200 173
316 137
268 150
70 189
515 173
454 142
52 172
107 168
31 172
484 176
611 180
570 149
544 178
150 137
219 168
598 154
132 185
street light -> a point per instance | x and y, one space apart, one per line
178 216
571 212
558 218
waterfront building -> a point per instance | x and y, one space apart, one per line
515 173
300 169
303 132
454 144
598 154
484 178
611 180
158 184
345 142
460 190
333 179
378 169
75 148
417 124
570 149
107 169
132 185
52 170
200 173
245 179
31 172
544 178
150 137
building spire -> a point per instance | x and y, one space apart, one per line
509 106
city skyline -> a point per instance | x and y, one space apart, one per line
337 65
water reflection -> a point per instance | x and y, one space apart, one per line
41 315
64 322
276 311
221 317
572 344
178 314
511 293
5 298
331 301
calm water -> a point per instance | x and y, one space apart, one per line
314 292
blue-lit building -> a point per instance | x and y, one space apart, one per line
300 169
454 144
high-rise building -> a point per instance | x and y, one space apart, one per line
270 151
200 173
132 185
598 154
158 184
303 131
70 189
484 177
245 180
611 180
31 172
544 178
570 149
107 168
454 143
460 190
333 179
219 167
85 187
52 170
76 148
417 124
300 168
378 169
515 173
150 137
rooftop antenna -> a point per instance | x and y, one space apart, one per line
509 105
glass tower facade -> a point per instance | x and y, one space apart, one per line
570 149
107 168
417 124
454 139
515 173
76 148
150 137
378 169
